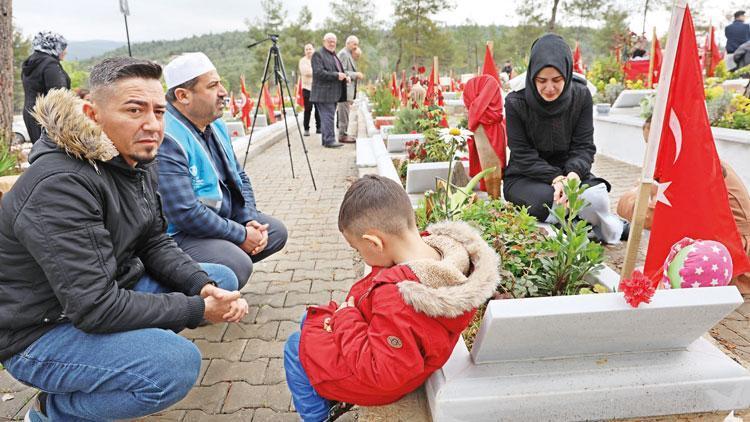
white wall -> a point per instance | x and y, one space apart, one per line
620 136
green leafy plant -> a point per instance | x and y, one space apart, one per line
383 102
604 70
610 92
570 256
8 160
519 242
406 120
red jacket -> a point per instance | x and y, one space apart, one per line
405 322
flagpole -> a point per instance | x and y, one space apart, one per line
651 61
654 138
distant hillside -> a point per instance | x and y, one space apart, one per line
82 50
227 51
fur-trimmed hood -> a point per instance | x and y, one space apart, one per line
60 113
464 279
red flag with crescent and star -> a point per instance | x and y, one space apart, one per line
247 103
578 60
692 199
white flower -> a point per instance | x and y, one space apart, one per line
454 135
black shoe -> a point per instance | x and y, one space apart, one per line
307 132
333 144
625 231
337 410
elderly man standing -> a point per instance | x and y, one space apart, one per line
92 288
346 56
328 87
207 197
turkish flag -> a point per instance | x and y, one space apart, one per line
692 196
233 110
484 103
711 53
489 68
247 103
430 97
300 95
658 58
578 60
268 101
394 87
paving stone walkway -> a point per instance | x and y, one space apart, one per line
242 377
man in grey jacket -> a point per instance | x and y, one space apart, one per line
347 60
92 290
328 87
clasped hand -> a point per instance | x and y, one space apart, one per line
223 305
256 238
559 195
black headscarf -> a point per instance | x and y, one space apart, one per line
549 50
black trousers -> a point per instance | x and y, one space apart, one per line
308 111
220 251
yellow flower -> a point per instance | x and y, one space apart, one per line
455 131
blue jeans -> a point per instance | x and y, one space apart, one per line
309 404
125 375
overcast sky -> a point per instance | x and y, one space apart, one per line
149 20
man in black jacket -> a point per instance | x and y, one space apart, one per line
737 32
328 87
92 289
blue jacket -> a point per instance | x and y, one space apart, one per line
737 33
220 214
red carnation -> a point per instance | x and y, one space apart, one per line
422 69
637 289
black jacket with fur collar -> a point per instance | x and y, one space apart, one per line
78 230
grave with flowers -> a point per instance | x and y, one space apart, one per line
564 338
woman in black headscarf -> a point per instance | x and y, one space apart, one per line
42 72
550 136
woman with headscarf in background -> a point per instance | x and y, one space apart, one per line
42 72
551 140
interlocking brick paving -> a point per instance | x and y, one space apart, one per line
242 376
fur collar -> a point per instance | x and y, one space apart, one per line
60 113
464 279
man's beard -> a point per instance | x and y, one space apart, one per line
144 157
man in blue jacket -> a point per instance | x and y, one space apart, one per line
737 32
207 197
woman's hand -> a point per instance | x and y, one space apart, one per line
559 196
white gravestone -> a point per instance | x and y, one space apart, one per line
593 357
397 142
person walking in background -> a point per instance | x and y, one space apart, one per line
306 74
42 72
328 87
346 55
737 32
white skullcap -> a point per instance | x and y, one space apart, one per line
186 67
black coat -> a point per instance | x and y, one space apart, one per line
544 147
737 33
40 73
326 86
75 237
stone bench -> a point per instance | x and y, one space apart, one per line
593 357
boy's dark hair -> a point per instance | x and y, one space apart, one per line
739 13
376 202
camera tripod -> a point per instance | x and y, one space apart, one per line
279 75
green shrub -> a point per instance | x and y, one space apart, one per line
8 160
406 120
383 102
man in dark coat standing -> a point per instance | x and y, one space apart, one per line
737 32
42 72
328 87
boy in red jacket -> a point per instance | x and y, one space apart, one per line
398 324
